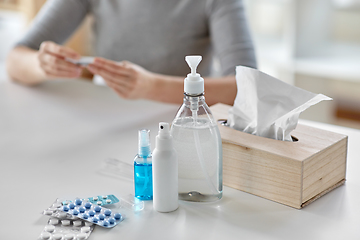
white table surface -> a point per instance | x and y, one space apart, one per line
54 138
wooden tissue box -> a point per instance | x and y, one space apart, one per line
291 173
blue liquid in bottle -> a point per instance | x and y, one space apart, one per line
143 168
143 181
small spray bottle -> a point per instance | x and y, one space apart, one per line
143 168
165 172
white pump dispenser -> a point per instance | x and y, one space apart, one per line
194 83
165 172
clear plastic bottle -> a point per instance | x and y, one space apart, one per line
197 140
143 168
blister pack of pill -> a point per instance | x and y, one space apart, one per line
90 212
66 229
54 211
98 200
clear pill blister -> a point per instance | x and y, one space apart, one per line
99 200
90 212
54 211
66 229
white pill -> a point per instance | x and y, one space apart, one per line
69 236
108 201
85 229
50 228
65 222
104 197
57 236
95 198
81 236
77 223
99 202
56 205
48 212
45 235
62 215
88 224
54 221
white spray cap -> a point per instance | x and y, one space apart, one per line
164 138
194 83
144 143
164 130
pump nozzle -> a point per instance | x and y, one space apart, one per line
193 62
194 83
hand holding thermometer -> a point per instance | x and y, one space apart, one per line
83 61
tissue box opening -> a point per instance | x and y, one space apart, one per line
291 173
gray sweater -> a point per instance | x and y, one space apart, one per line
155 34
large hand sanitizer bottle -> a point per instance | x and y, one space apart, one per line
197 141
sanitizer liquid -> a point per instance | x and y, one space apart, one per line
143 181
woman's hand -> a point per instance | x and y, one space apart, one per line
127 79
52 61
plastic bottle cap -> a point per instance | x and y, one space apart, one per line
50 228
144 143
194 83
45 235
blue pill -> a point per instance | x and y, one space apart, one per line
65 208
71 205
75 212
111 220
91 213
101 216
105 223
82 209
117 216
78 201
85 216
107 212
88 205
95 219
97 209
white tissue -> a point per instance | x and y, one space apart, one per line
267 107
